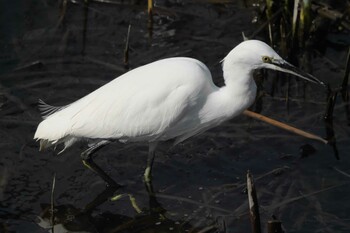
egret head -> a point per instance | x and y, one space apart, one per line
255 54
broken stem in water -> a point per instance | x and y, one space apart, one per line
52 204
126 50
284 126
253 204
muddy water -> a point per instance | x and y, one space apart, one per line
200 184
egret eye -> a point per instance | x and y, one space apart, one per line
266 59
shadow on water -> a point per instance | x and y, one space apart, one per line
61 50
68 218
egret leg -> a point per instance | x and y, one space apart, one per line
89 163
155 207
150 159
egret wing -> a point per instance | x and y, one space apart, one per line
139 105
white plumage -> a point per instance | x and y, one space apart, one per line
170 98
148 103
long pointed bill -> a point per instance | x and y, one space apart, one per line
289 68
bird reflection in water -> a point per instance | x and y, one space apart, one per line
68 218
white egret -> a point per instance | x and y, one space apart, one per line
173 98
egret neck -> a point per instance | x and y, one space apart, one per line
240 87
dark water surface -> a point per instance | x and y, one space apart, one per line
201 182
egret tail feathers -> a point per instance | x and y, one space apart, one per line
52 131
47 110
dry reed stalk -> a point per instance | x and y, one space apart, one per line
126 50
283 126
52 220
274 226
150 18
345 82
253 204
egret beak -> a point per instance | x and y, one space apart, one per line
282 65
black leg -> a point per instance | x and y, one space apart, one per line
148 171
94 148
150 159
89 163
155 207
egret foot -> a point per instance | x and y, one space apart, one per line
154 206
147 175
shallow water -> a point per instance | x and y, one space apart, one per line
199 183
